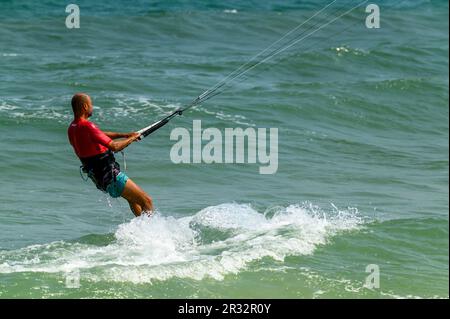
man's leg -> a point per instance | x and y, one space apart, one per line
139 200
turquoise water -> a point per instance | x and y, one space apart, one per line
362 178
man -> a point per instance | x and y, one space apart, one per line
95 150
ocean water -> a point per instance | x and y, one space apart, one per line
362 117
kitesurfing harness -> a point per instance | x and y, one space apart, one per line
102 169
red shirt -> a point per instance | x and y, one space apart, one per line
87 139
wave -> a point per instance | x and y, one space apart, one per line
138 7
58 108
114 106
214 242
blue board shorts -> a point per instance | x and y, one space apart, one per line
115 188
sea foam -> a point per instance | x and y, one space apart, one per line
214 242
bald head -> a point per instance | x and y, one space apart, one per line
81 104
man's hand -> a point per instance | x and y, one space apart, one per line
115 135
135 136
117 146
131 134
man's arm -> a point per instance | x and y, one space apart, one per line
115 135
117 146
103 138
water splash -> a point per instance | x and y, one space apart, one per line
214 242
